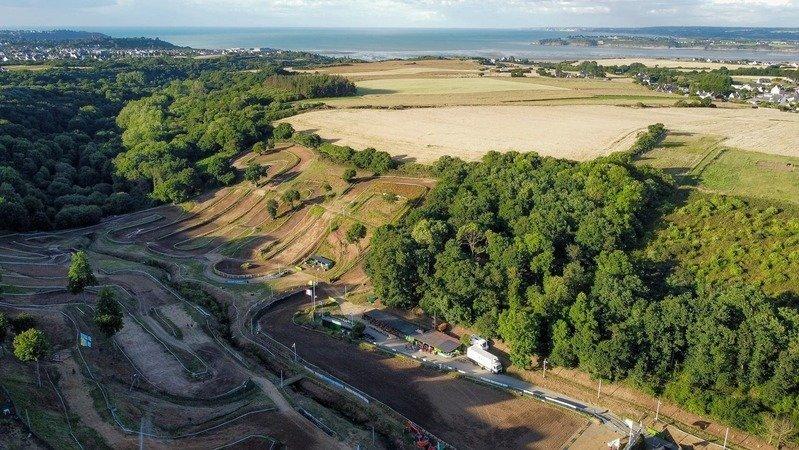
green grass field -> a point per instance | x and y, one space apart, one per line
701 161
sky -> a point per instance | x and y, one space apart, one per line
397 13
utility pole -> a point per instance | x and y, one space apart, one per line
313 298
599 389
135 377
545 368
726 435
294 346
657 412
141 434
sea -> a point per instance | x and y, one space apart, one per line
386 43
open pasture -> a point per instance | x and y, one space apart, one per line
701 160
578 132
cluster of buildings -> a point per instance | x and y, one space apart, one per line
780 93
670 88
767 92
428 340
22 53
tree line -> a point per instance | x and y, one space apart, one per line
548 255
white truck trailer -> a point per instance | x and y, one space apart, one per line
484 359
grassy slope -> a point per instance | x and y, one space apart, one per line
701 161
750 236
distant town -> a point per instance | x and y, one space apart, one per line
23 47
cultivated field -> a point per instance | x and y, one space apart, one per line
455 82
448 86
497 90
403 68
578 132
671 63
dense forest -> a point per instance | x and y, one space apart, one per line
59 136
549 256
182 138
75 38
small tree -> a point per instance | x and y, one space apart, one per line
31 345
22 322
80 273
283 131
357 329
271 208
779 430
349 175
253 172
108 316
291 196
259 148
356 232
3 327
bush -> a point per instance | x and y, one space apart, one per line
22 322
649 139
349 175
310 140
356 232
283 131
378 162
253 172
695 102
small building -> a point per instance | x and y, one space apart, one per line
337 323
437 341
321 262
392 324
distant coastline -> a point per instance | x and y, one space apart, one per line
389 43
668 42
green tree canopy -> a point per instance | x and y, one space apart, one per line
3 326
80 273
108 314
30 345
356 232
348 175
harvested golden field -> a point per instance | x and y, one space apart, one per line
496 90
576 132
671 63
449 86
403 68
